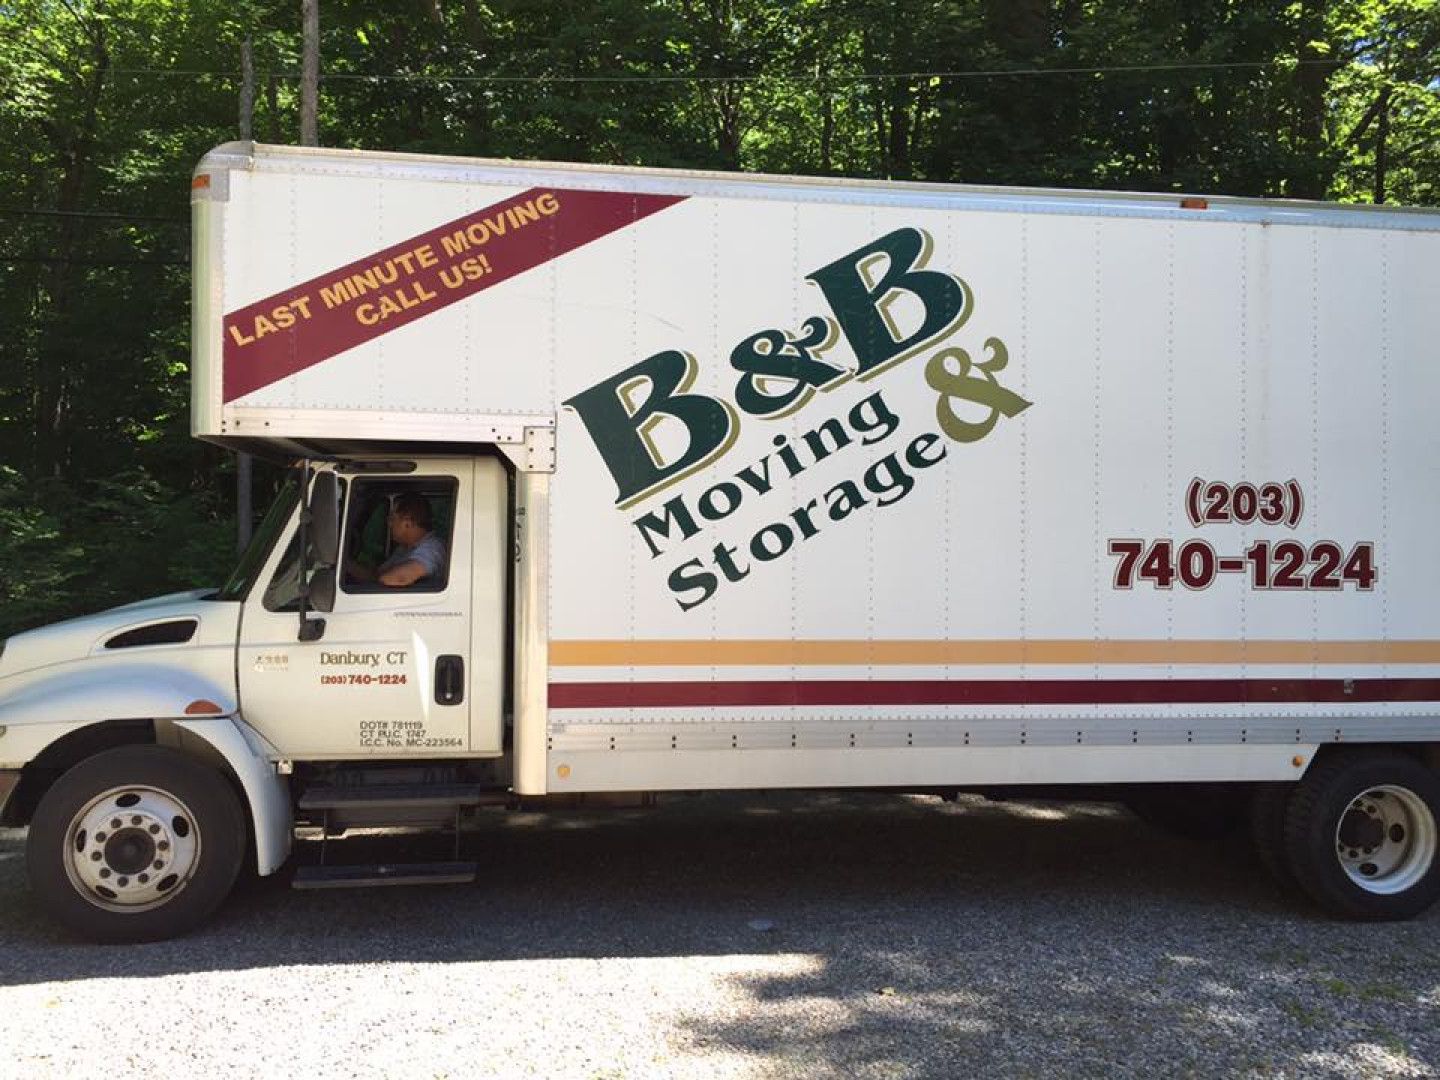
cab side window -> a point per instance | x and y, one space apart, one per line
398 535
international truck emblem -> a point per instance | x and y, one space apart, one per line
779 373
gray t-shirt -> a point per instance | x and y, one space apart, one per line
429 553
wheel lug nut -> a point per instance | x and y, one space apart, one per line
105 871
143 878
159 865
94 856
135 819
122 882
154 829
164 845
115 823
99 837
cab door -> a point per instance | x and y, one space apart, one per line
390 675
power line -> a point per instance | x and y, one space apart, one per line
812 77
105 215
51 259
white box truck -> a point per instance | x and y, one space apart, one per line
632 480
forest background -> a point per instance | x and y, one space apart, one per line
106 105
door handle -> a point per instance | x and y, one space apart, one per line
449 680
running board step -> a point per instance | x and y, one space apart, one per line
360 877
376 796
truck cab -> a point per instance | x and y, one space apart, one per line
363 703
383 671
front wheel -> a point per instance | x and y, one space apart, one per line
135 844
1361 835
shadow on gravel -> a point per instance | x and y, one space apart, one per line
927 938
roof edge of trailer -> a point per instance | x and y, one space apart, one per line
263 157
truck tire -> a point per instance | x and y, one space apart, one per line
1361 835
135 844
1267 835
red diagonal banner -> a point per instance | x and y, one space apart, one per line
320 318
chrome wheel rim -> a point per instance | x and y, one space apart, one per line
1386 839
132 848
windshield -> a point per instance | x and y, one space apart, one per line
240 580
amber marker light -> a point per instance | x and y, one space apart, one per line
1297 761
201 181
1194 204
203 707
563 772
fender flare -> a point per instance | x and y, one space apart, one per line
266 791
67 701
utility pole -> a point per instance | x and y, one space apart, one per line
244 464
309 71
247 88
272 106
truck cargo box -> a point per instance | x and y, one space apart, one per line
941 473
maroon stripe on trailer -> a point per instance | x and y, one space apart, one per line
314 320
653 695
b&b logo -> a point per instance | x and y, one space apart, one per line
779 373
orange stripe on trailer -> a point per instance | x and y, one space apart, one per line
780 652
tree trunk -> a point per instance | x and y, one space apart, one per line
899 125
56 352
272 102
1382 148
1311 176
727 99
827 132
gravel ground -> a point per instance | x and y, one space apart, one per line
796 935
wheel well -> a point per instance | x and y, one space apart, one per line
70 749
66 752
1425 753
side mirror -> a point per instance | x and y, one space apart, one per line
324 508
322 589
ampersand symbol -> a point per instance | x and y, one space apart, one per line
772 355
983 389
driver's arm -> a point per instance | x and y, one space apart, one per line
405 574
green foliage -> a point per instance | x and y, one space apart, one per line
74 547
105 105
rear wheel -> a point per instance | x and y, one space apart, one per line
1361 835
1267 834
135 844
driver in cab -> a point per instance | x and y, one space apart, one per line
418 552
